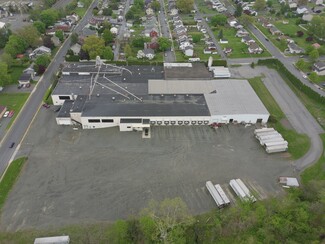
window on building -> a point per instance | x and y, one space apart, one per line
64 97
107 120
93 120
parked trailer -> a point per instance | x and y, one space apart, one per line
53 240
275 149
222 194
263 130
280 143
262 142
265 137
268 133
237 189
215 195
246 190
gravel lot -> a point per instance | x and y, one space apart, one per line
103 175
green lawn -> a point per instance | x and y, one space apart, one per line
240 50
281 45
317 171
13 101
80 11
10 178
204 8
299 144
291 29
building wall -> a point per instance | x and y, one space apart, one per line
57 101
63 121
98 122
246 118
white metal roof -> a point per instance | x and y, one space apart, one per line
223 97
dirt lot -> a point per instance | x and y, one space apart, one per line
103 175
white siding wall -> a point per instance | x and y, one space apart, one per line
63 121
247 118
57 101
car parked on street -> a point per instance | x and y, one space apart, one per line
6 114
11 113
12 145
45 105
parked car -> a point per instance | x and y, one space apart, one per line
27 85
11 113
45 105
6 114
12 145
19 86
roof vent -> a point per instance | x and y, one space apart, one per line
97 95
80 87
113 98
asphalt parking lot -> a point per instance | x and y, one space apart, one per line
75 176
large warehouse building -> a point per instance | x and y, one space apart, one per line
136 97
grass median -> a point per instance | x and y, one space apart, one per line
299 144
9 178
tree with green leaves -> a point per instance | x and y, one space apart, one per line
6 57
40 26
139 41
164 43
314 55
185 6
94 46
4 36
41 63
317 26
197 37
245 19
31 35
218 19
107 11
15 45
313 77
301 64
108 53
239 10
108 36
49 16
155 5
260 5
59 34
4 76
171 217
220 34
128 51
74 38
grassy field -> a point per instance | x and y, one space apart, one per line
14 102
291 29
299 144
317 171
204 8
240 50
80 11
10 178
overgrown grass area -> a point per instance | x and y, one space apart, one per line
299 144
204 8
316 171
13 101
9 179
80 11
240 49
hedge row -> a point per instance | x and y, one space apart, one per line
276 64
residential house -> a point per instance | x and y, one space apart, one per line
209 41
56 41
316 45
242 32
247 40
275 31
302 10
97 20
238 26
76 49
80 4
286 38
149 53
307 17
188 51
2 25
227 51
153 44
180 29
173 12
212 47
207 51
253 48
232 21
40 51
182 38
223 41
319 2
184 44
88 32
149 11
294 48
153 32
25 78
319 68
293 5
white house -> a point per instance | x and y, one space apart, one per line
40 51
294 48
76 49
302 10
188 51
319 68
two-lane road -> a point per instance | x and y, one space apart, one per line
26 115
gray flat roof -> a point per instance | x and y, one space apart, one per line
105 106
65 109
197 71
